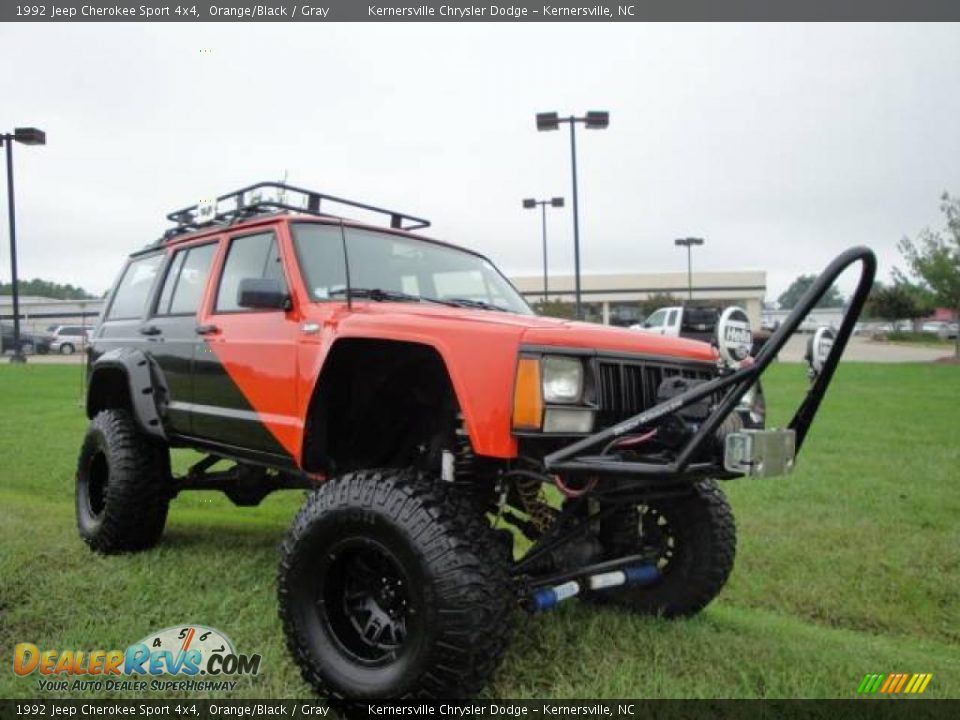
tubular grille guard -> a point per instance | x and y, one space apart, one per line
733 386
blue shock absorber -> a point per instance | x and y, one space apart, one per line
548 597
641 574
636 575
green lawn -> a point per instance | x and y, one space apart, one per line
850 566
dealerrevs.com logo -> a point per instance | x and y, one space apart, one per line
184 652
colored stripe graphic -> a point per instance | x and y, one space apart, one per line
900 682
894 683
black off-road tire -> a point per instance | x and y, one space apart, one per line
123 485
695 567
458 600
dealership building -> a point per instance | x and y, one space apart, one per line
615 298
610 299
39 313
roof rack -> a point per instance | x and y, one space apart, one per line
267 197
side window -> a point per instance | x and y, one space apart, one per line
186 280
134 287
673 318
655 320
320 253
252 256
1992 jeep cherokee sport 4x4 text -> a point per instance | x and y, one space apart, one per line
440 425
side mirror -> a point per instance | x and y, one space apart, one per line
263 294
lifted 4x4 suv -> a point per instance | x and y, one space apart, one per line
436 421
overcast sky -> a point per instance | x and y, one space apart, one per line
779 144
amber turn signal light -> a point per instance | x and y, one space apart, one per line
527 398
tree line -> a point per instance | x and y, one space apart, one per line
47 289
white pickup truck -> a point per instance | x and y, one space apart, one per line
698 323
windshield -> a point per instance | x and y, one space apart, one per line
391 267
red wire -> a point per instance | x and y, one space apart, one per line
571 492
636 439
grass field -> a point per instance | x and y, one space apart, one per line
850 566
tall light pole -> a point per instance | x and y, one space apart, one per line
689 243
529 204
27 136
593 120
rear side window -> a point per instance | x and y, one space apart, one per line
186 280
130 298
252 256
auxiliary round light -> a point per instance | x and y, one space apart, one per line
734 338
818 348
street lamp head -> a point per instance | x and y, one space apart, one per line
30 136
529 203
556 202
597 120
548 121
688 242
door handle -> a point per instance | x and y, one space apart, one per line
207 329
149 330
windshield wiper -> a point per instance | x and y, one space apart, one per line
467 302
380 295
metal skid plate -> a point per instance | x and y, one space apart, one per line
760 453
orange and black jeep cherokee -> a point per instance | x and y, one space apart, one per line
464 457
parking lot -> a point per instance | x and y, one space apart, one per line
861 349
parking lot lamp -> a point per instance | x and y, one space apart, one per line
529 204
593 120
27 136
689 243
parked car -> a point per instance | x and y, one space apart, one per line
409 386
696 323
949 331
809 325
941 328
67 339
879 328
29 342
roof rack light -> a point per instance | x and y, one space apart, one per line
275 197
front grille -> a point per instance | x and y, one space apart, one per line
628 387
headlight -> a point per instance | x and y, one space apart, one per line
562 379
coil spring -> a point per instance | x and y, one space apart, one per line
534 502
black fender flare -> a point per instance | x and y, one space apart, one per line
141 387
